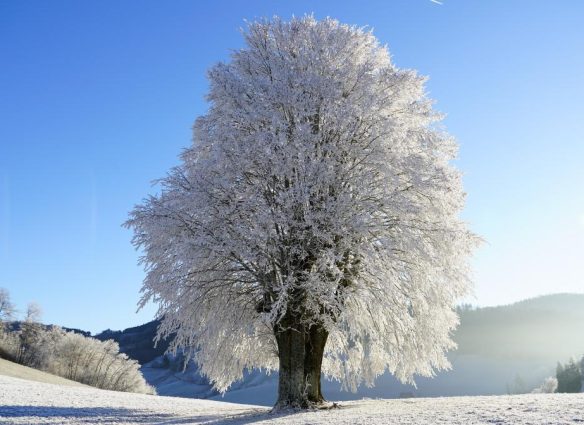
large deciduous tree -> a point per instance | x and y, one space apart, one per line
313 224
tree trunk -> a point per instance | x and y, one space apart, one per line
300 351
314 351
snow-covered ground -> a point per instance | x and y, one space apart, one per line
18 371
29 402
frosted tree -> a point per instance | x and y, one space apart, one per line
7 309
33 313
549 385
30 333
313 224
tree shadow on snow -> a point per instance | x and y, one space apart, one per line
121 415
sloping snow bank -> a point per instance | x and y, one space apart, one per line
18 371
28 402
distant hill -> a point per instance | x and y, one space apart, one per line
502 349
137 342
547 327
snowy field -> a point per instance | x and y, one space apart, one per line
29 402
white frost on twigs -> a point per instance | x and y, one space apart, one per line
320 174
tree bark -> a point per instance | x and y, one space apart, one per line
313 354
300 352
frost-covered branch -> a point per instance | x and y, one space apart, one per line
318 191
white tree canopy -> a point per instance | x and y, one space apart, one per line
319 170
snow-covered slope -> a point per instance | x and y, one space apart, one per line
28 402
18 371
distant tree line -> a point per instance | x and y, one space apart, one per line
67 354
569 376
568 379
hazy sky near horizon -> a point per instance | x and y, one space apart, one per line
97 99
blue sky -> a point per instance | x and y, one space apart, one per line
97 99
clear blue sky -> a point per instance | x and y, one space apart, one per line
97 99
